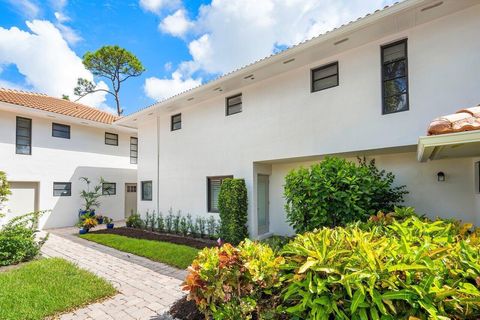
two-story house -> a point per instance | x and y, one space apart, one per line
369 88
48 144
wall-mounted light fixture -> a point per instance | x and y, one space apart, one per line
441 176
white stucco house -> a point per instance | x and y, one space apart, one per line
370 87
47 144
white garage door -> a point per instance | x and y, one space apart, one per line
22 200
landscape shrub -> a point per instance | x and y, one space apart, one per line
233 206
409 268
17 239
336 192
134 221
4 191
236 283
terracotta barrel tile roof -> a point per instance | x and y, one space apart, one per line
464 120
43 102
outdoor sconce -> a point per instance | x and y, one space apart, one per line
441 176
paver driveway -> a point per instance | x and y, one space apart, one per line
146 288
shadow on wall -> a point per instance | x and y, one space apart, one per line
64 209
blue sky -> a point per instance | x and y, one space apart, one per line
180 43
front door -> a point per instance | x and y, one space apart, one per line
130 199
24 199
262 204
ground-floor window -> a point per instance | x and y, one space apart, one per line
213 189
62 189
109 188
147 190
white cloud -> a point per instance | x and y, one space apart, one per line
231 34
176 24
160 89
61 17
43 56
235 33
26 8
156 6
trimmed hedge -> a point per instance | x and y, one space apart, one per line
233 207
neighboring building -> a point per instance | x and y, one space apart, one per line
47 144
370 87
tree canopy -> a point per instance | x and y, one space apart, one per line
113 63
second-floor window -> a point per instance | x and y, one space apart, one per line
234 104
111 139
23 142
325 77
133 150
395 77
60 131
176 123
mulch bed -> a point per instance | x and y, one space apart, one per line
198 243
186 310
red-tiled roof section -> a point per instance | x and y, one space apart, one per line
464 120
43 102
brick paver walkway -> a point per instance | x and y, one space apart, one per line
146 288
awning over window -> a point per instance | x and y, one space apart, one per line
453 136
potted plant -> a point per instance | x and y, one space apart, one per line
90 196
89 223
109 222
100 219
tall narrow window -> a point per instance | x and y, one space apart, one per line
62 189
24 136
111 139
176 122
234 104
395 77
60 131
133 150
213 189
325 77
147 190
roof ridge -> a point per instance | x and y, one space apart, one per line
56 98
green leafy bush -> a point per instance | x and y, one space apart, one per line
231 283
233 206
134 221
4 190
336 192
276 242
409 268
17 239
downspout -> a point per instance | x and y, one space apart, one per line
158 164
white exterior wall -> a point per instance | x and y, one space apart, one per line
66 160
281 119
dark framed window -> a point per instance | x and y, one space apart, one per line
147 190
109 188
213 189
23 142
324 77
233 104
111 139
133 150
176 123
395 77
62 189
60 130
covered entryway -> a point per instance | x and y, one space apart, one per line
24 199
130 199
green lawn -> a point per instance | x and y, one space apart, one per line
176 255
46 287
